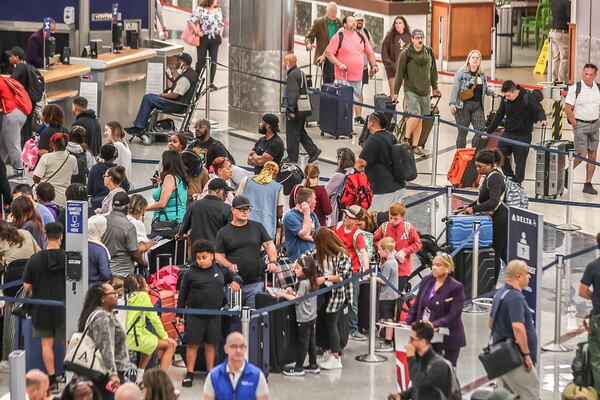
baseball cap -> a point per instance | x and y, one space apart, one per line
240 202
359 15
16 51
186 58
120 199
354 212
417 32
218 183
272 120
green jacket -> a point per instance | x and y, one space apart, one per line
142 299
417 70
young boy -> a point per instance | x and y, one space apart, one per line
387 295
202 287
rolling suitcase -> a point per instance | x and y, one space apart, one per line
461 226
383 103
428 123
550 168
470 177
259 347
459 166
485 272
314 94
335 110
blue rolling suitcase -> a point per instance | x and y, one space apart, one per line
33 347
335 110
461 226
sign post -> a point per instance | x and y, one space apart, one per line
76 245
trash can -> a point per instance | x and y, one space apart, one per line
504 36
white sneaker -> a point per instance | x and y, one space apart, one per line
4 367
326 356
331 363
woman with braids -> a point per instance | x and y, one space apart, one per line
107 333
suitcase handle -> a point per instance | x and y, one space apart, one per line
437 101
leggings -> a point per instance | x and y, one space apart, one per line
10 137
306 344
210 46
471 113
333 334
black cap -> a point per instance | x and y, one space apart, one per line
108 152
272 120
218 183
16 51
240 202
120 199
186 58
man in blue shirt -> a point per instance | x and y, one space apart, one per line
300 223
511 318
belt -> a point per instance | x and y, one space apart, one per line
587 122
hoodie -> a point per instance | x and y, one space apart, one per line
45 271
93 130
417 70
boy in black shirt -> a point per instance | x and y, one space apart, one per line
202 287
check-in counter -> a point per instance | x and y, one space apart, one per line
62 84
116 84
166 56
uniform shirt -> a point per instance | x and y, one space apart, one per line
351 54
261 390
591 277
586 106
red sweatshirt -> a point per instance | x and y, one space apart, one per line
409 244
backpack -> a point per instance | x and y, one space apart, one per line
30 154
582 366
355 190
454 392
404 235
368 238
37 84
404 165
341 39
534 94
82 168
21 97
515 195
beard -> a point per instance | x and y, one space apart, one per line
262 130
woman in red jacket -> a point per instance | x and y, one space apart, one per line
311 181
406 237
14 108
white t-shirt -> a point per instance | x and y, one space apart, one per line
47 169
124 159
586 106
140 228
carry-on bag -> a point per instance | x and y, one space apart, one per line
463 261
461 226
259 348
460 174
314 93
428 123
550 167
335 110
383 103
289 176
404 165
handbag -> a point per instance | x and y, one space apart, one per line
502 357
83 356
165 226
304 105
469 92
189 36
22 310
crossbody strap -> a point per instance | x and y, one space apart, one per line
59 168
494 317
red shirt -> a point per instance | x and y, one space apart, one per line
348 240
409 244
7 97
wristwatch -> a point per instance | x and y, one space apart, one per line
271 262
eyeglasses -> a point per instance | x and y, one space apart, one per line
244 209
237 346
106 176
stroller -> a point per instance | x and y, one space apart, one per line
425 255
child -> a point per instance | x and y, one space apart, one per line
387 295
45 193
114 133
202 287
306 316
137 209
139 338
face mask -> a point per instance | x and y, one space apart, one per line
262 130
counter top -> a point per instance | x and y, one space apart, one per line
112 60
61 72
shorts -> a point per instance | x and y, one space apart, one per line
418 105
387 309
365 80
56 333
586 136
356 85
200 330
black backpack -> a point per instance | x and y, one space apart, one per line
341 39
82 168
533 95
37 84
582 367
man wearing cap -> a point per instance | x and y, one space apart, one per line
34 53
359 17
321 31
269 147
207 147
120 238
182 91
238 247
417 70
205 217
300 224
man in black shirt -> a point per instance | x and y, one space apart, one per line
207 216
589 289
269 147
238 247
559 38
522 110
207 147
87 119
376 156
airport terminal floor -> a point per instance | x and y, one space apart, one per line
358 380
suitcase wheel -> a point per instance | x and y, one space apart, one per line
322 133
337 137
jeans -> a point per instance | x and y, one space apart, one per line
306 344
150 101
249 292
295 136
353 309
210 46
519 153
333 333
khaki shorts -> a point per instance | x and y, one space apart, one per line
586 136
56 333
418 105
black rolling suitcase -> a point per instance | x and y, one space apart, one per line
258 348
462 271
428 123
335 110
314 93
384 103
550 168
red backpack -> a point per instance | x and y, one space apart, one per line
355 190
21 96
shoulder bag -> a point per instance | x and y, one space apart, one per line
83 356
304 106
165 226
502 357
469 92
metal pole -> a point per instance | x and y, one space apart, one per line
246 327
434 155
475 308
16 363
448 200
493 60
441 44
556 346
550 78
568 226
208 83
371 356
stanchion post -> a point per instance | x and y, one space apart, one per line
16 363
208 83
475 308
371 356
448 200
493 68
556 346
568 226
434 155
550 78
246 327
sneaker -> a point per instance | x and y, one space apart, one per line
359 337
384 348
4 367
314 157
188 381
359 121
133 130
293 371
312 369
331 363
326 356
589 189
418 150
289 161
